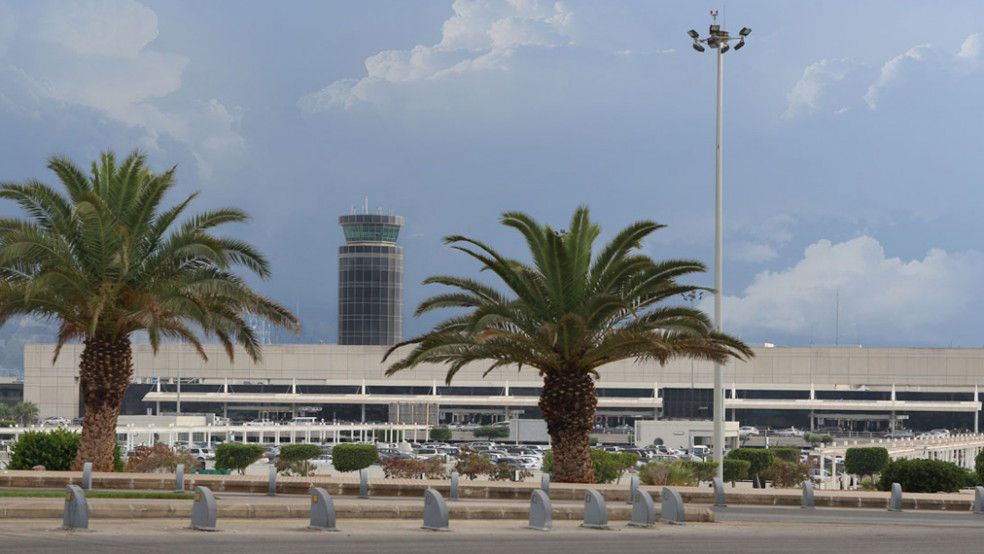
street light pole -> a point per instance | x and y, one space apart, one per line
718 39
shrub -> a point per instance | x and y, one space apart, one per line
491 432
816 438
922 476
159 458
502 472
608 466
353 457
54 450
440 434
786 454
413 469
736 470
8 423
760 460
786 474
865 461
979 466
237 456
299 452
471 464
667 473
702 471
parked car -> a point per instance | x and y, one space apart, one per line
791 432
201 454
748 430
257 422
323 460
59 421
428 453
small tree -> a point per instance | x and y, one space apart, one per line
440 434
785 474
735 470
54 450
237 456
866 461
471 464
159 458
353 457
294 458
25 412
816 439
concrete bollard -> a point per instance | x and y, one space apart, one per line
322 510
672 507
203 510
545 483
595 511
808 495
718 493
87 476
454 485
979 500
435 512
272 488
76 515
895 501
541 511
633 487
643 510
179 478
363 483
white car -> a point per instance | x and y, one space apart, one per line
791 432
258 422
201 454
753 431
59 421
323 460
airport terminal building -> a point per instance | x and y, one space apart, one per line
859 389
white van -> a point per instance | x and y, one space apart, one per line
304 421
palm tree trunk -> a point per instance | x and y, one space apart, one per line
104 375
568 405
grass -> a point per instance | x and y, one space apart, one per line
91 494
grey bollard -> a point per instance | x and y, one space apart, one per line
179 478
643 510
454 485
203 510
322 510
633 487
718 492
541 511
363 483
76 509
672 507
435 511
87 476
808 495
272 488
595 511
895 501
979 500
545 483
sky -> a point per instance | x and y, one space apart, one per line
852 174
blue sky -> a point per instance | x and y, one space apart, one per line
852 138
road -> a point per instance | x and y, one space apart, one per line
404 537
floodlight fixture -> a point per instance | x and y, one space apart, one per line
698 47
712 42
725 48
740 45
745 31
693 34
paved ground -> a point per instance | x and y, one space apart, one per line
364 537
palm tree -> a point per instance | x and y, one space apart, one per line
107 260
566 316
25 412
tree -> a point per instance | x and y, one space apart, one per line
865 461
25 412
236 456
566 316
106 259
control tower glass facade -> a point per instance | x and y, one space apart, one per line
370 280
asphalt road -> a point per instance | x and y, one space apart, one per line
837 516
364 537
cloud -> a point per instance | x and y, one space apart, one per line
760 240
8 26
908 301
807 94
98 55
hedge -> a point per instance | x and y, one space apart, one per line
440 434
760 460
353 457
231 455
491 432
735 470
865 461
922 476
54 450
786 454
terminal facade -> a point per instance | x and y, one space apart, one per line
854 389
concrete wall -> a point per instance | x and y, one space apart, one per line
677 434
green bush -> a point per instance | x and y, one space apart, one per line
865 461
353 457
54 450
922 476
8 423
440 434
788 474
760 460
702 471
491 432
471 464
979 466
413 469
237 456
786 454
299 452
735 470
816 438
667 474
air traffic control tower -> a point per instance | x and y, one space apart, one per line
370 280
